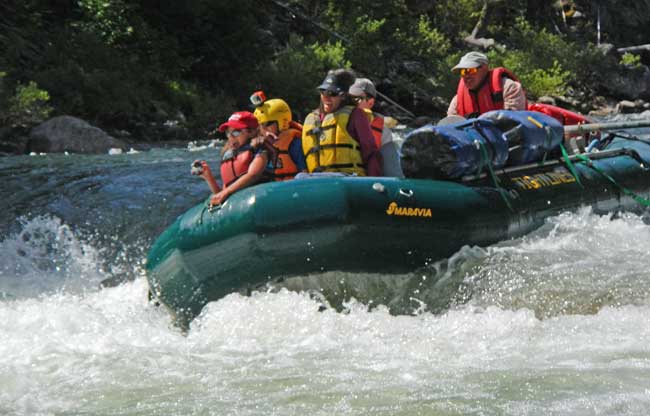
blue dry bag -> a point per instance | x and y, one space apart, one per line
530 135
453 151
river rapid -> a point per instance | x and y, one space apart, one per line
553 323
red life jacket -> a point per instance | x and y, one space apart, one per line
377 128
235 164
283 167
566 117
470 104
376 125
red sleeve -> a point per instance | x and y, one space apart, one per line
359 128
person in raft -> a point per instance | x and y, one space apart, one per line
363 93
281 136
336 137
482 89
241 164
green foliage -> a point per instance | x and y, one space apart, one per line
296 71
540 59
424 41
204 110
456 19
631 60
551 81
330 55
368 45
124 64
28 106
106 18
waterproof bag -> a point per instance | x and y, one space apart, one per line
453 151
530 135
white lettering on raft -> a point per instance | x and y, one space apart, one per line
393 209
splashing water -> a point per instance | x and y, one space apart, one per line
555 322
45 257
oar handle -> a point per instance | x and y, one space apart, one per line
584 128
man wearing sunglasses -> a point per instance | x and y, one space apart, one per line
363 93
481 89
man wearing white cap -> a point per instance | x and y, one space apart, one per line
482 89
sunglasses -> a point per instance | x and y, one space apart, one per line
328 93
234 133
468 71
268 123
359 99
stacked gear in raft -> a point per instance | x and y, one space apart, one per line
493 140
451 151
530 135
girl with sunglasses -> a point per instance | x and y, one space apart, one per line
336 137
241 164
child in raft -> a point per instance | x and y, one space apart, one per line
241 164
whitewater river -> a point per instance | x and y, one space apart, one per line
555 323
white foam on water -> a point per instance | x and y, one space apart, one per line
275 353
577 263
111 352
45 256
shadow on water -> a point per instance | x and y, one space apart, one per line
577 263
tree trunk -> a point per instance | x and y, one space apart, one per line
483 43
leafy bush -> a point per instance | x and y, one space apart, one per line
296 71
551 80
28 106
540 60
201 109
630 60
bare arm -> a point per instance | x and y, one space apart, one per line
206 174
453 107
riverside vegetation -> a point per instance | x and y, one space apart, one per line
159 71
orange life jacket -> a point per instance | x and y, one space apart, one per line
470 104
235 164
282 166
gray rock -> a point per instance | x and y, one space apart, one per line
567 102
545 99
70 134
607 48
630 83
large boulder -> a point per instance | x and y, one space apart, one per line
630 83
70 134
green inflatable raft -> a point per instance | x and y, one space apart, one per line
378 224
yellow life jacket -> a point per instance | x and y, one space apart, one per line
327 145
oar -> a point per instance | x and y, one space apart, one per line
584 128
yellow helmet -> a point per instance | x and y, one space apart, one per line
274 110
